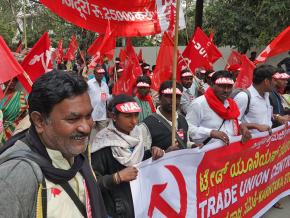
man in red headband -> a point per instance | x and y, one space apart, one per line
99 95
214 115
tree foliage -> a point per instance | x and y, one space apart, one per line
246 23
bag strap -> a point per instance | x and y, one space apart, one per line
68 189
166 124
25 154
209 138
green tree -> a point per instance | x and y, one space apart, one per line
246 23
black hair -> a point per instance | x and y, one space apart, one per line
221 73
53 87
145 65
144 78
61 67
168 84
184 71
263 72
119 99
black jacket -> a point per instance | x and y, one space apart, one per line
117 198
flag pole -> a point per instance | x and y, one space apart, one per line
173 137
24 24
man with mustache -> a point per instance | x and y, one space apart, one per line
214 115
158 125
43 172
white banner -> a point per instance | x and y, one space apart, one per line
205 182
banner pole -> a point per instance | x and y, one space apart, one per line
174 75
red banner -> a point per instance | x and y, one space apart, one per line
36 63
128 18
241 180
9 65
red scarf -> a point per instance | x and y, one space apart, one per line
148 99
230 113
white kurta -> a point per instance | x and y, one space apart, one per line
59 203
202 120
99 96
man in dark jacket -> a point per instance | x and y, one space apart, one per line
158 125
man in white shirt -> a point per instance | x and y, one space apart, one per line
99 95
260 111
186 78
214 115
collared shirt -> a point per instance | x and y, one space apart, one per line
99 95
59 203
186 98
202 120
260 109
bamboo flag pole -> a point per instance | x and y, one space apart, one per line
174 75
24 24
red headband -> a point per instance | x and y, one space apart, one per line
128 107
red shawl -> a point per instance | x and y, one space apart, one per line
230 113
147 98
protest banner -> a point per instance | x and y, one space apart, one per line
238 180
128 18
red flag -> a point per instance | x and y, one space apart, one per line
245 77
103 47
73 46
10 67
93 49
128 18
164 63
122 55
140 55
234 59
132 70
19 47
37 62
60 52
200 52
279 45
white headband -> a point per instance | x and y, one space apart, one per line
185 74
100 70
224 80
170 91
142 84
281 76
